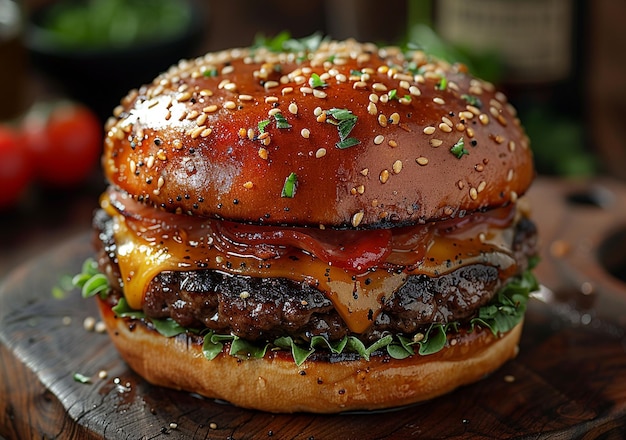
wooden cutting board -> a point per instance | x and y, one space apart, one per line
568 381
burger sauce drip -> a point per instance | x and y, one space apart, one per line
356 277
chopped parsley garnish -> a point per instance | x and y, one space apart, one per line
283 42
210 72
289 188
90 280
356 72
81 378
263 124
316 82
472 100
281 122
458 149
393 94
443 83
345 121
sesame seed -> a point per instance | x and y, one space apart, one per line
206 92
306 90
438 100
445 127
230 105
271 99
273 111
415 91
357 218
89 323
481 186
429 130
206 132
248 185
182 97
305 133
397 166
100 327
192 115
384 176
446 121
270 84
466 115
266 141
435 142
321 152
195 132
210 108
263 153
213 425
200 120
321 117
379 87
161 155
245 97
242 132
379 139
384 98
102 374
382 120
231 87
479 167
317 111
177 144
422 161
483 118
372 109
373 98
405 84
360 189
501 120
394 118
460 127
365 171
160 182
470 131
223 83
460 184
286 90
133 166
473 193
472 109
319 93
293 108
244 294
513 196
392 143
509 175
263 135
340 77
494 112
359 85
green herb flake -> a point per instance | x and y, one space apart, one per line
289 188
472 100
458 149
263 124
81 378
393 94
345 121
209 73
355 73
347 143
281 122
316 82
443 83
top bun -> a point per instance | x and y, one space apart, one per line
341 135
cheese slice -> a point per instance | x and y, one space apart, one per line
146 249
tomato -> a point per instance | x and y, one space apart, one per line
15 167
65 144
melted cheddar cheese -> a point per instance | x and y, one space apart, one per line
146 248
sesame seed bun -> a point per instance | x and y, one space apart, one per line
205 138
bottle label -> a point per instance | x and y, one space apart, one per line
533 37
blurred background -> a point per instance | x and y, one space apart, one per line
65 64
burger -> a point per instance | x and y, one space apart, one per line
328 226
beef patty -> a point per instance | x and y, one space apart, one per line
274 307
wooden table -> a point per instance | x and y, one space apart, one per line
569 380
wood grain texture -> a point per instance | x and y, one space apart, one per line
568 381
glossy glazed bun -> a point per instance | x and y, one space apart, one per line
369 136
276 384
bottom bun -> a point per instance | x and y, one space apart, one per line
276 384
